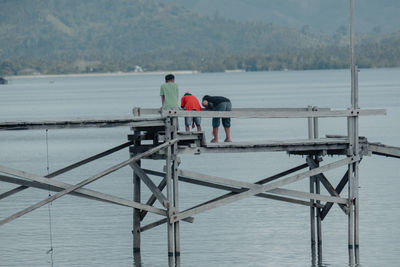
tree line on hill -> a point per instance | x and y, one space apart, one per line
73 36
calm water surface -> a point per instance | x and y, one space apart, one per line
251 232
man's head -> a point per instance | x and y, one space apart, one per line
188 94
204 101
169 78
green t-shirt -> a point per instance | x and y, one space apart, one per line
170 92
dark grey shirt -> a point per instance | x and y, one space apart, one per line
213 101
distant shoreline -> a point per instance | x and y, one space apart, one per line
101 74
180 72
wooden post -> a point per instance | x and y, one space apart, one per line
175 163
356 172
136 198
318 191
354 141
168 173
312 208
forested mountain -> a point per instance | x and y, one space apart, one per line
317 15
65 36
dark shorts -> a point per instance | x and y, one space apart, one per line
226 122
190 120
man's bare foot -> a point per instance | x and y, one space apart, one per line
214 141
228 140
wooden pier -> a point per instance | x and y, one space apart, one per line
155 136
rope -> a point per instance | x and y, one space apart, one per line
51 250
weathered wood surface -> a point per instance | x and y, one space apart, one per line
384 150
321 144
35 125
235 113
273 113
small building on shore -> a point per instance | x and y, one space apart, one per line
3 80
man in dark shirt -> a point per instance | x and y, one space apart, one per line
218 103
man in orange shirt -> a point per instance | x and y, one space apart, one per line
190 102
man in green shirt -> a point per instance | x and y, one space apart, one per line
169 93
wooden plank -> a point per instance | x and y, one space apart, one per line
384 150
85 182
47 184
338 189
267 187
153 188
89 123
247 185
72 166
239 190
260 113
152 199
299 194
328 186
292 146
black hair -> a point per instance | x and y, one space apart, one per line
205 97
188 94
169 77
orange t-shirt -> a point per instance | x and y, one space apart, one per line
190 102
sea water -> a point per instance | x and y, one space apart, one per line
250 232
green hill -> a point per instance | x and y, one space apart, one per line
318 15
66 36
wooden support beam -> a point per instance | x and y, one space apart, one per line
152 199
46 184
267 187
328 186
153 188
71 167
89 123
239 190
384 150
162 221
338 189
85 182
247 185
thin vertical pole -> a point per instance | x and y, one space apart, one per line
168 177
136 198
356 173
312 208
353 169
318 191
175 164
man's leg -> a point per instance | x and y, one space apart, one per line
188 121
197 121
227 134
215 134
